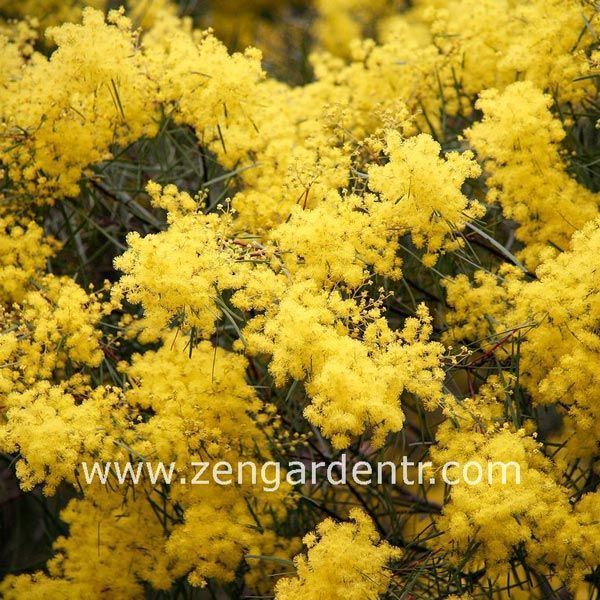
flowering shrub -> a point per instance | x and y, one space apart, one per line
276 231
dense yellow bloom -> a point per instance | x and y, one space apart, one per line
478 308
532 511
383 84
519 138
53 426
60 115
54 429
23 252
198 81
426 192
338 241
288 144
204 410
54 327
200 403
339 368
492 43
111 563
352 384
555 319
177 274
344 561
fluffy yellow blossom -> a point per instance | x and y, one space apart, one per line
530 509
54 328
518 138
199 82
352 386
479 307
204 410
491 43
177 275
337 241
381 83
62 114
344 560
23 252
554 319
287 243
54 429
112 563
426 191
199 400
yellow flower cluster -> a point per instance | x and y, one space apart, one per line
353 384
344 560
178 273
518 138
495 519
106 98
426 191
336 343
23 252
53 328
203 410
555 319
491 43
112 563
56 427
198 81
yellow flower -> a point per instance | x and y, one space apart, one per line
344 561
